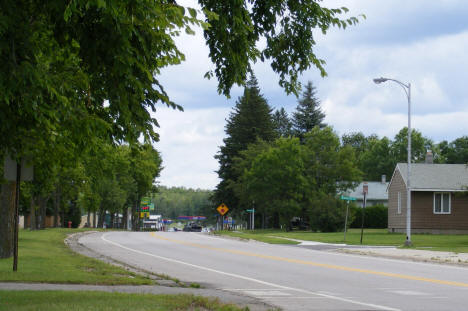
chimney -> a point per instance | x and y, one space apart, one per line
429 157
384 179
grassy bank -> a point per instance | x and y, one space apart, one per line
44 257
61 300
452 243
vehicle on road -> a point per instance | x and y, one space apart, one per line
193 227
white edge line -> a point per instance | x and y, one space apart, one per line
251 279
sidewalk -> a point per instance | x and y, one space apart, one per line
388 252
410 254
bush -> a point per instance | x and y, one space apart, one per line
327 214
375 216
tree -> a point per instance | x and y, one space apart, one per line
145 167
378 159
288 178
251 120
330 169
457 151
419 146
282 124
308 113
272 179
360 143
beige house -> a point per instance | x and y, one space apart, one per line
439 198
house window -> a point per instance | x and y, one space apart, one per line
399 203
442 204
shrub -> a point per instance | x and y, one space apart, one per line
374 217
327 214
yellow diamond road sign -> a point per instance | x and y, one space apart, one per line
222 209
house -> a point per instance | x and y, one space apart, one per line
376 194
439 198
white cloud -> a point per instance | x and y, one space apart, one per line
188 142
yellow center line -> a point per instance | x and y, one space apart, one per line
315 264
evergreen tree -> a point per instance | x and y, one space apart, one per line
308 113
282 123
250 120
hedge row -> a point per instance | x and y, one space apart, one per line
374 216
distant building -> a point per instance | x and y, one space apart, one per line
377 193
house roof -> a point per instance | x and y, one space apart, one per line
435 177
376 191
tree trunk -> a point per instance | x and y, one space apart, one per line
102 214
42 209
135 215
112 219
32 215
124 217
94 219
88 219
57 198
7 217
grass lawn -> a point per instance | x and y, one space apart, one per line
62 300
44 257
453 243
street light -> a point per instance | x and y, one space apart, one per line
407 89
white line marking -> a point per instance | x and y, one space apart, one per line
252 279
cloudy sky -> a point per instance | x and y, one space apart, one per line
423 42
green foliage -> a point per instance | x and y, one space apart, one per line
287 179
233 36
178 201
378 159
327 213
419 146
73 214
374 217
455 152
282 124
329 166
379 156
308 113
251 120
274 180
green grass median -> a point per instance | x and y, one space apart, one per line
43 257
77 301
378 237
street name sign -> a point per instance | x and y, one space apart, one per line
343 197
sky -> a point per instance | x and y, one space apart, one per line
422 42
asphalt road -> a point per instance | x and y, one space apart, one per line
290 277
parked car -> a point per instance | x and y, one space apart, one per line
193 227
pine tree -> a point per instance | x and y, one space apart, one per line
282 123
308 113
250 120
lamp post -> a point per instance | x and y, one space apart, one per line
407 89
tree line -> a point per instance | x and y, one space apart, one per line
294 167
171 202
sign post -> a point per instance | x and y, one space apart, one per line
347 199
365 189
222 210
16 171
252 218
